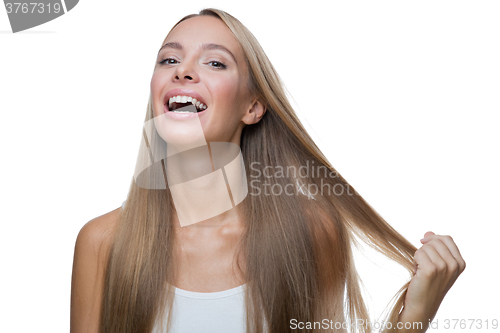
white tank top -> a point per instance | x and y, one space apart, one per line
217 312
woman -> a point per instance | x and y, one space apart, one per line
287 252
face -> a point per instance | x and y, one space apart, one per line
202 59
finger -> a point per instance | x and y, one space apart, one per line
450 243
451 246
427 237
438 262
423 262
443 260
446 255
429 233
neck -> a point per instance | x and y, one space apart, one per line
227 222
207 184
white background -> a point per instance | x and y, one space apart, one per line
403 99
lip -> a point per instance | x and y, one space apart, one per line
180 91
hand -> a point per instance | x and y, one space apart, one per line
438 264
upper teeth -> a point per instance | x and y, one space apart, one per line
185 99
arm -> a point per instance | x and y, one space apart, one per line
91 253
438 264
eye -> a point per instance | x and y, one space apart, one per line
168 61
217 64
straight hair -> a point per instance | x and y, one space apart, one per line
297 248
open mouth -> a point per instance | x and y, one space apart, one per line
179 104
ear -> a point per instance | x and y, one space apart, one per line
254 113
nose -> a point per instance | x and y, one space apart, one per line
185 72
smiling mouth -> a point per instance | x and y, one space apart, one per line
181 103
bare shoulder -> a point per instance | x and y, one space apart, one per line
98 232
92 247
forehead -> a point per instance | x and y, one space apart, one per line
199 30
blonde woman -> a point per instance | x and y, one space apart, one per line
278 260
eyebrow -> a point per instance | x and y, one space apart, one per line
206 46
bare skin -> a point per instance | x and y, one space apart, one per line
204 254
91 253
204 261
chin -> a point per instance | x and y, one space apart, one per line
179 135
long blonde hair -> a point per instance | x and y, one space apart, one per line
297 248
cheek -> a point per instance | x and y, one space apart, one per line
228 94
156 84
